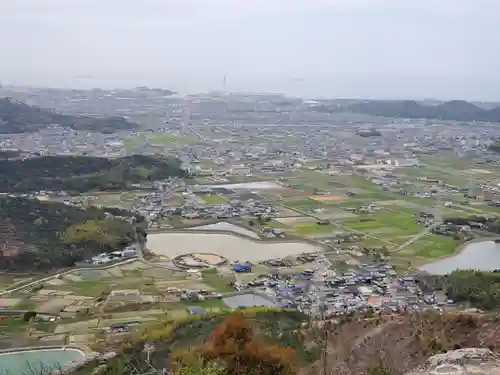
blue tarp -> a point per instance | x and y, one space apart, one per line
242 268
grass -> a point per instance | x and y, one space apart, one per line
433 246
91 288
213 199
274 224
400 222
304 204
312 229
212 278
26 305
13 324
208 304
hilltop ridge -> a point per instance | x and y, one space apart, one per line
453 110
77 174
18 117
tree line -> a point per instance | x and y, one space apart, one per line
78 174
479 289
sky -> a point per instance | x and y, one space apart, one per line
381 49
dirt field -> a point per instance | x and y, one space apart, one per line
53 305
328 198
9 302
292 221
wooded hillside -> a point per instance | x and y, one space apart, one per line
37 236
77 174
18 117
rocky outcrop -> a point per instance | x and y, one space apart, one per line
473 361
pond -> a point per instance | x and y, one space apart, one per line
227 245
248 300
40 361
484 256
229 227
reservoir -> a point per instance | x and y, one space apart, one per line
227 245
247 300
41 361
483 256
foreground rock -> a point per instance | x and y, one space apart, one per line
462 361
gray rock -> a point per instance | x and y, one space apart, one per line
473 361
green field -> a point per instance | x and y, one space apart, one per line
399 222
213 199
312 229
207 304
212 278
430 247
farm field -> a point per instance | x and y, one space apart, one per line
213 199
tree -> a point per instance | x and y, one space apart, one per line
495 226
235 344
193 364
28 315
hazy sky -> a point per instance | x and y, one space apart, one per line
338 48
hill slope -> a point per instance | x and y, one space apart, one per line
456 110
390 345
83 173
17 117
44 235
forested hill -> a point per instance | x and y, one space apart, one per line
455 110
39 236
77 174
17 117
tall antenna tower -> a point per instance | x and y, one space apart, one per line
225 84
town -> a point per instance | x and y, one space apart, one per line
283 206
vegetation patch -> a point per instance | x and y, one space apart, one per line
312 229
213 199
214 279
398 221
18 117
48 235
78 174
433 246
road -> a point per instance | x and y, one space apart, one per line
44 279
418 236
337 224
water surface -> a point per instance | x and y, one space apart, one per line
247 300
483 256
227 245
39 362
